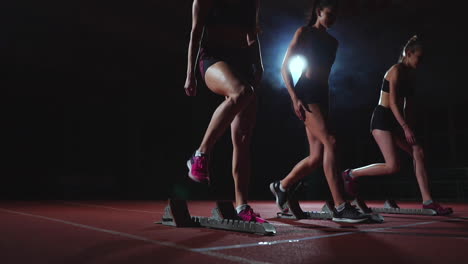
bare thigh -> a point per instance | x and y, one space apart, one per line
315 146
387 145
316 123
222 79
403 144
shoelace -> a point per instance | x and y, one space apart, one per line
252 213
354 209
441 209
201 161
438 207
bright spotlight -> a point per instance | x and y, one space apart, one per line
297 66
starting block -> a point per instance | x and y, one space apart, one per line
294 211
363 208
224 217
391 207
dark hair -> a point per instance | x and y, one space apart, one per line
413 44
319 4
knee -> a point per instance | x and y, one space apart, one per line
330 141
244 94
312 161
418 152
393 167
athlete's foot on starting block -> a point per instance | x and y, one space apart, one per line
248 215
438 208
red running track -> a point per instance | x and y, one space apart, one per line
124 232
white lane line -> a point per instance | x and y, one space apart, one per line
140 238
276 224
141 211
269 243
109 207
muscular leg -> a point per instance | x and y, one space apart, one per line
241 133
315 122
222 80
387 146
307 165
417 153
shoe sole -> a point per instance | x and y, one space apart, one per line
272 189
193 178
444 214
349 220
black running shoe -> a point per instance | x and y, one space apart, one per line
349 214
281 197
392 204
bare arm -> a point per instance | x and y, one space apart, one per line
394 80
409 111
254 44
293 49
199 11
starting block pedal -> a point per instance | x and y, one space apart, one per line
363 208
224 217
177 214
294 211
391 207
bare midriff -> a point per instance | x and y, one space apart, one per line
385 100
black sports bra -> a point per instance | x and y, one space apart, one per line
405 89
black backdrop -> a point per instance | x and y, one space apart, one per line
95 107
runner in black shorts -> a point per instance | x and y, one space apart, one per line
310 101
225 40
392 125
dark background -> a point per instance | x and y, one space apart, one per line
94 106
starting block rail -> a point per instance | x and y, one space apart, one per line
390 207
223 217
294 211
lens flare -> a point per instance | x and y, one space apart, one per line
297 65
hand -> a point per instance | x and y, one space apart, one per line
191 86
299 109
409 135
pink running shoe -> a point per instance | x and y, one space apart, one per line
438 208
350 184
199 168
248 215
